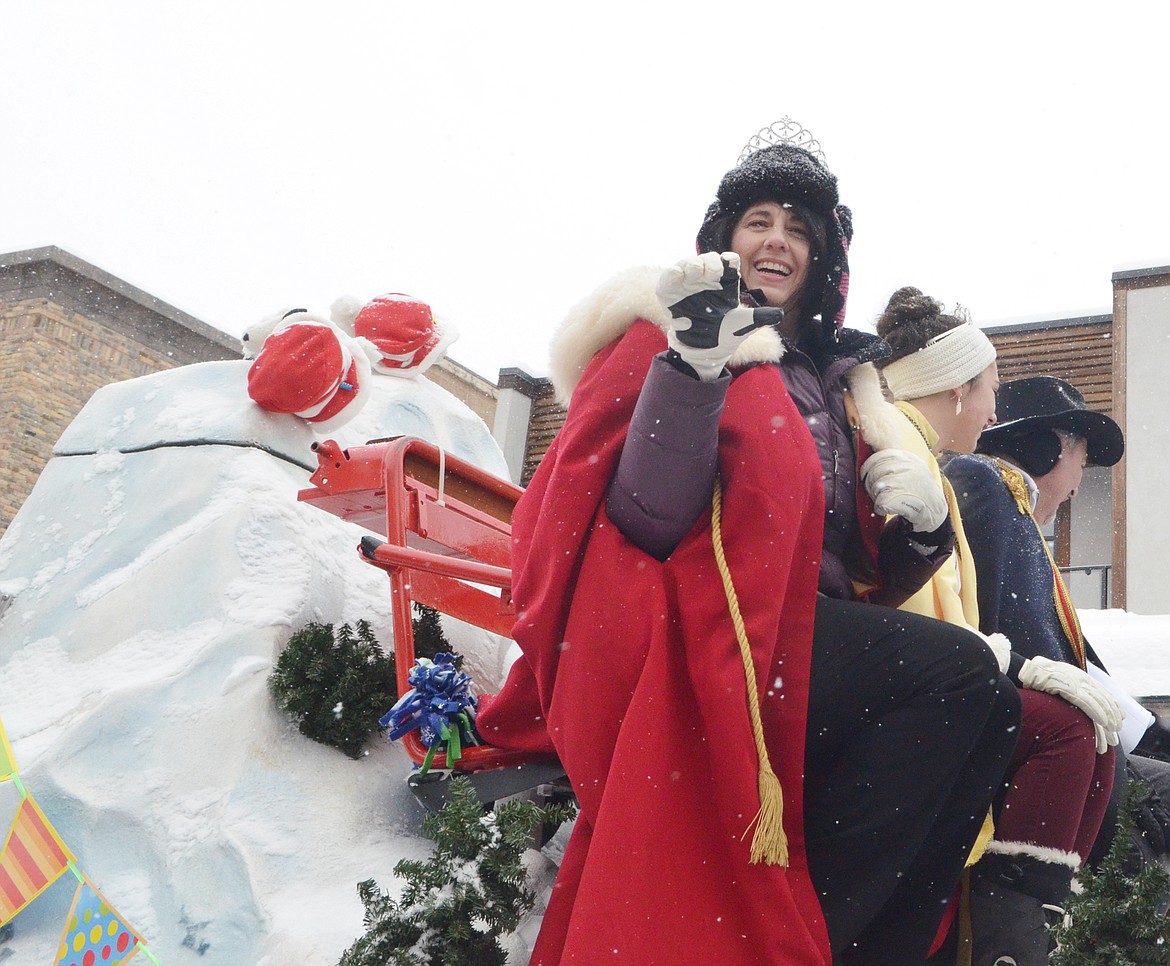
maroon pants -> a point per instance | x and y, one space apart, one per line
1058 786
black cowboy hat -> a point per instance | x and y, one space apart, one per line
1027 411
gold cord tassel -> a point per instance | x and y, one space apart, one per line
769 843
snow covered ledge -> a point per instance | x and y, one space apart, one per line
1136 649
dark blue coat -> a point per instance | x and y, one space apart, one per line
1012 566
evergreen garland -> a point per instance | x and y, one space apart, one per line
1115 918
429 638
470 892
335 686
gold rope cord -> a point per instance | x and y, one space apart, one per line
769 842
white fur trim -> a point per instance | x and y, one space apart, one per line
881 421
367 348
609 311
1041 853
598 319
763 345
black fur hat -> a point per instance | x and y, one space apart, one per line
1029 411
787 173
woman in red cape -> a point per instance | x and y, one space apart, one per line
654 731
888 732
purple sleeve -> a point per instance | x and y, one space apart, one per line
668 464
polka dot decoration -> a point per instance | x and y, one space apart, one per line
95 935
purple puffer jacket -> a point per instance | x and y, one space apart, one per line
670 459
821 402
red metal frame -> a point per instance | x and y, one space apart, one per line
448 530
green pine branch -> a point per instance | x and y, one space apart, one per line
335 685
1114 919
455 906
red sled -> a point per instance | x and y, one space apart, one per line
444 537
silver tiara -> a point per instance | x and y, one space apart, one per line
784 131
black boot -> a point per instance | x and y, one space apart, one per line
1014 901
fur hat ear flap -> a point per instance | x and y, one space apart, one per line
845 221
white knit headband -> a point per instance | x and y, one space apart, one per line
946 362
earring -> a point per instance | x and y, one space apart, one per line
958 404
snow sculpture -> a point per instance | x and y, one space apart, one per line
156 568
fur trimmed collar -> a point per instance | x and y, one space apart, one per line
882 423
606 314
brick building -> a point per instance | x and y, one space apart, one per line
66 329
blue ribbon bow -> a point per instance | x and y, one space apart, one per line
439 705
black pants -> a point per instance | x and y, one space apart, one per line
910 729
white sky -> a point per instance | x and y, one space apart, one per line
500 160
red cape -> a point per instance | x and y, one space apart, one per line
632 674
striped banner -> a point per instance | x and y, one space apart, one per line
33 859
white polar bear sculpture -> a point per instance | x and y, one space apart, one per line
153 574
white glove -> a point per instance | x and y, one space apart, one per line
702 295
901 484
1077 688
1001 647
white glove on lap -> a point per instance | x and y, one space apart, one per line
901 484
701 293
1001 647
1077 688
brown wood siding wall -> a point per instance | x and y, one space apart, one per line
1081 354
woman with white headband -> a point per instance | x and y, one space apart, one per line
943 375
